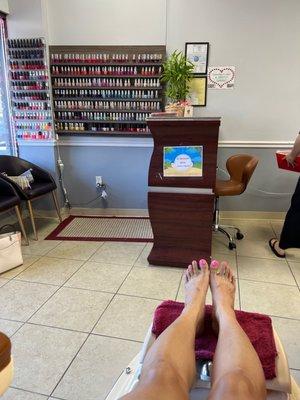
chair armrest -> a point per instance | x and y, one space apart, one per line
39 174
6 188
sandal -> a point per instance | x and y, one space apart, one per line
272 243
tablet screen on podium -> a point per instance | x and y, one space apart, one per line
183 161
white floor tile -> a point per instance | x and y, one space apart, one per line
19 300
296 375
257 249
118 253
99 276
75 250
96 368
127 317
27 261
270 298
17 394
9 327
265 270
41 355
40 247
3 281
295 266
50 270
289 332
142 260
75 309
152 283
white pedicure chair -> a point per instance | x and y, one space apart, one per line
283 387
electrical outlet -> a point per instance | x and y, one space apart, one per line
99 181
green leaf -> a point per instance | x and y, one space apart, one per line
177 74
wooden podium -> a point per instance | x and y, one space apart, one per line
181 207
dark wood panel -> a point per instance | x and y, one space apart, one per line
182 228
184 132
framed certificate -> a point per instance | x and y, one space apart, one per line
197 54
198 91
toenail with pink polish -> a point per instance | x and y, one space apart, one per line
214 264
202 262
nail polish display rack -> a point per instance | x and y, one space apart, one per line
106 90
29 86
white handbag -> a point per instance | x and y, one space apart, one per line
10 251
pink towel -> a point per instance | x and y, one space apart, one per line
258 327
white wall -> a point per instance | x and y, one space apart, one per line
25 19
106 22
260 38
4 6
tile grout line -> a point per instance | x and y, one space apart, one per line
93 333
13 277
178 289
58 288
292 272
268 282
28 391
66 370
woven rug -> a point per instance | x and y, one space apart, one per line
92 228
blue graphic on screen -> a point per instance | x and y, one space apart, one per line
183 161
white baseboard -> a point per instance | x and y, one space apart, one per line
141 212
252 215
130 212
51 213
144 213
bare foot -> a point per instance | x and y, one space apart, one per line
222 286
196 286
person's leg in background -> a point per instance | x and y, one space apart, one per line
290 234
237 371
169 369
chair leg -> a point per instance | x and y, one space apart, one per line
32 220
56 205
231 244
19 215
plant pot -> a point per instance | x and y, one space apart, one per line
175 107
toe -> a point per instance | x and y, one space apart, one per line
195 267
214 265
190 271
229 272
186 276
224 268
203 265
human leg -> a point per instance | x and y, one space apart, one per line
237 371
169 368
290 234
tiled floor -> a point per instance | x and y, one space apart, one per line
77 312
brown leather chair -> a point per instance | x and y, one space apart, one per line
240 168
6 364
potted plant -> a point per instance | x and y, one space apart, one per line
177 74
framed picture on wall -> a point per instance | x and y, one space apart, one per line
197 54
198 91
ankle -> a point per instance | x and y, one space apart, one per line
225 314
193 311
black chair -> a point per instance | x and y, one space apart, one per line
9 199
42 185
